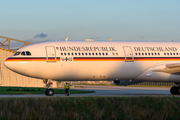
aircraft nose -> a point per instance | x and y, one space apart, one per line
9 64
6 63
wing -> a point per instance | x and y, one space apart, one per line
167 68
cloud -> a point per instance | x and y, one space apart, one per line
42 35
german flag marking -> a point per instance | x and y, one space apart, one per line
95 59
98 59
32 59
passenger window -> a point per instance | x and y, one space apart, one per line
139 53
145 53
136 53
28 53
116 53
170 53
158 53
79 53
23 53
96 53
106 53
155 53
92 53
102 53
82 53
167 53
75 53
61 53
176 53
151 53
64 53
99 53
89 53
142 53
71 53
17 53
68 53
173 53
164 53
148 53
86 53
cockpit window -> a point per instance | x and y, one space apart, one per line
28 53
23 53
17 53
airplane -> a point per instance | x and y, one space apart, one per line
124 63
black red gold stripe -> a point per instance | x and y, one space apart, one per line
33 59
96 59
157 59
126 59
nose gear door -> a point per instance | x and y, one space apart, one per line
50 54
128 54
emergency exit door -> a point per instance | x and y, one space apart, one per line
128 54
50 54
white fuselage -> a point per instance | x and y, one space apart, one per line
81 61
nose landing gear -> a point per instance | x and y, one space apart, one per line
49 91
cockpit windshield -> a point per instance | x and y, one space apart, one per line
17 53
24 53
28 53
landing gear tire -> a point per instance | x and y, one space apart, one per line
175 90
178 90
49 92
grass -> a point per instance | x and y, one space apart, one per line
31 90
91 108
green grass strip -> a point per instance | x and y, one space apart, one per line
31 90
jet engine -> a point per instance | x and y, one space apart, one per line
126 82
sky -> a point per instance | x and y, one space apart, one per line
41 20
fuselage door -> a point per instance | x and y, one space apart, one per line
128 54
50 54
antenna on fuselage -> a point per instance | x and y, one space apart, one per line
67 39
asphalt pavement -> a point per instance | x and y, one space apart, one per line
109 91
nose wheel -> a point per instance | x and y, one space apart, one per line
175 90
49 92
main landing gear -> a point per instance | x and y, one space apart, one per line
175 90
49 91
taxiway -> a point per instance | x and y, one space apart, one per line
109 91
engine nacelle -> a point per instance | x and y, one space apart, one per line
126 82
